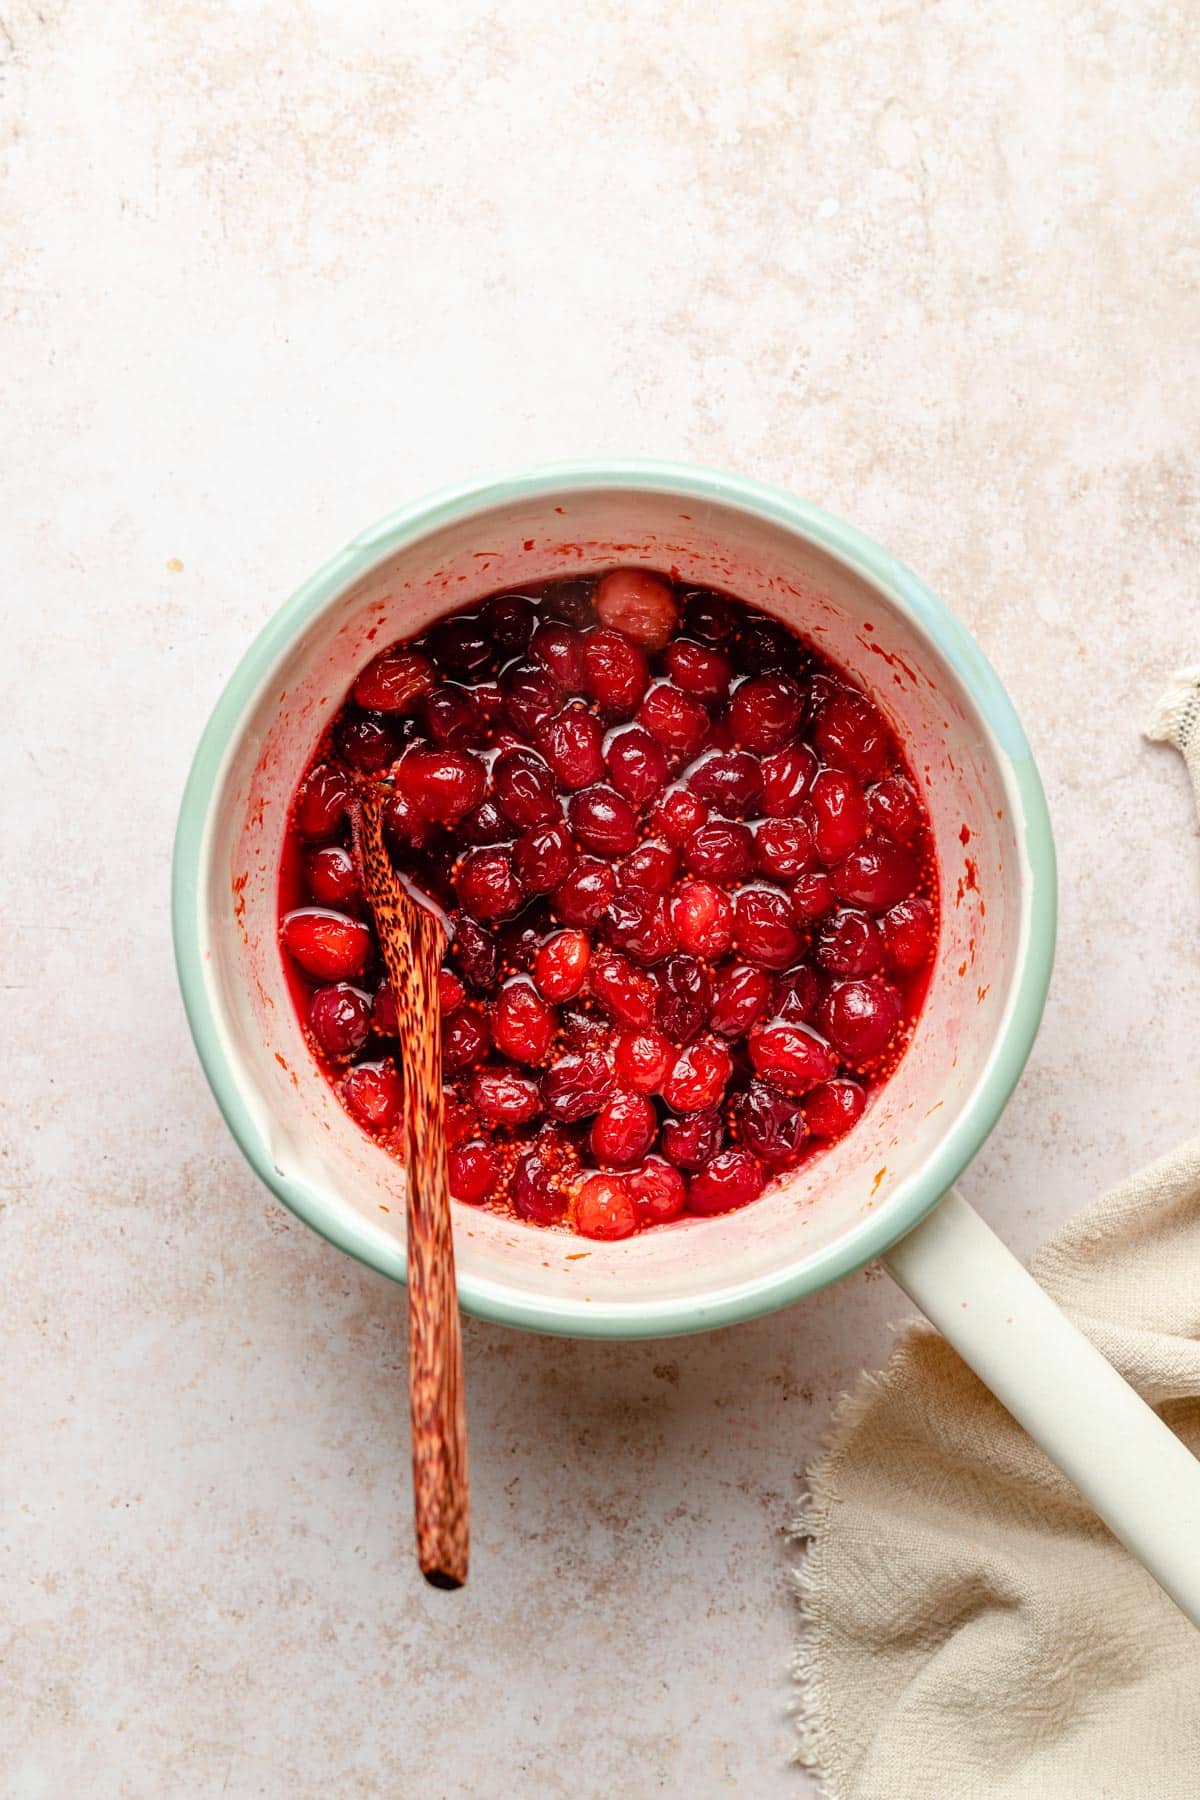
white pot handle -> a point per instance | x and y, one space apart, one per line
1143 1482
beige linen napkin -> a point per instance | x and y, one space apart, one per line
970 1628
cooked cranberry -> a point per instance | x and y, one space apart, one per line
766 711
850 943
394 681
764 927
783 847
709 616
486 886
877 874
476 953
383 1012
587 890
520 939
572 600
698 1077
504 1096
651 868
894 810
405 824
560 650
509 620
629 994
684 997
834 1107
812 894
561 965
572 743
332 876
741 994
702 919
766 646
839 814
639 604
770 1125
323 801
540 1182
584 1030
731 1179
603 821
860 1018
678 720
605 1209
658 1191
542 857
787 776
339 1018
474 1172
451 717
730 781
367 743
464 1040
484 824
642 1059
908 934
450 993
462 647
796 994
720 851
524 787
791 1057
444 784
614 673
530 696
576 1086
326 944
850 733
522 1023
623 1130
677 814
636 765
690 1142
638 924
699 669
374 1094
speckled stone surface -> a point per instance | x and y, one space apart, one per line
268 270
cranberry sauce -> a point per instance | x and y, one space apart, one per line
691 888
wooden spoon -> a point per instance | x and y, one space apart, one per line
413 941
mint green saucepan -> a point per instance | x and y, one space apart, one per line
883 1191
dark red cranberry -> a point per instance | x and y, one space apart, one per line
692 1141
623 1130
603 821
702 919
838 812
878 874
720 851
733 1178
791 1057
783 847
484 824
640 605
326 944
765 928
476 953
850 943
559 649
561 965
894 810
573 601
834 1107
678 720
730 781
587 890
522 1023
339 1018
642 1058
708 616
524 787
464 1040
405 824
384 1020
699 669
486 886
741 995
628 993
332 876
812 894
322 805
698 1077
766 647
451 717
474 1172
766 711
676 815
373 1092
605 1209
509 620
636 765
366 742
787 776
909 933
638 924
860 1018
796 994
769 1124
462 647
530 696
850 733
576 1086
651 868
540 1190
520 939
585 1030
542 857
504 1096
572 743
394 681
443 784
658 1191
684 997
615 673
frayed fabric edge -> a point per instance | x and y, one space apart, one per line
1175 718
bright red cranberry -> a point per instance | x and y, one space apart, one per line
603 821
462 647
366 743
542 857
640 605
850 943
384 1020
530 696
765 646
860 1018
651 868
638 924
733 1178
894 810
877 874
702 919
332 876
486 886
628 993
615 673
694 1140
676 815
587 890
560 650
783 847
796 994
464 1040
322 805
524 787
504 1096
709 616
839 814
394 681
766 711
451 717
476 953
522 1023
684 997
790 1057
605 1209
765 929
444 784
509 620
812 894
834 1107
540 1184
636 765
484 824
623 1130
769 1124
658 1191
850 733
339 1018
373 1092
576 1086
561 965
450 993
730 781
326 944
642 1058
720 851
573 744
474 1172
679 721
699 669
909 933
741 995
699 1076
787 776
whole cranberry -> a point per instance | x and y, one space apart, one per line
451 717
605 1209
766 647
474 1172
530 696
766 711
627 993
322 804
326 944
741 995
834 1107
909 933
850 733
812 894
702 919
509 620
462 647
699 669
838 812
576 1086
860 1018
791 1057
676 814
720 851
539 1189
464 1040
729 780
366 742
894 810
636 765
684 997
679 721
708 616
692 1141
561 965
573 600
476 953
572 743
698 1077
615 673
503 1095
484 824
733 1178
765 928
332 876
877 874
640 605
658 1191
587 890
603 821
542 857
373 1092
783 847
642 1058
850 943
524 788
787 776
450 993
559 649
770 1125
650 869
394 681
339 1018
522 1023
796 994
623 1130
443 784
384 1019
638 924
486 886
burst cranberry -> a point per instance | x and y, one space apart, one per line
623 1130
522 1023
721 851
699 669
464 1040
741 995
587 890
450 993
639 605
658 1191
839 814
332 876
476 953
572 743
444 784
451 716
860 1018
584 1030
692 1141
339 1018
766 711
894 810
642 1058
765 647
878 874
629 994
796 994
615 673
850 943
787 776
542 857
326 944
374 1094
684 997
474 1172
605 1208
790 1057
702 919
764 927
509 620
698 1077
486 885
367 743
834 1107
540 1181
530 696
636 765
678 720
651 868
783 847
576 1086
394 681
561 965
484 824
462 647
524 787
405 824
559 649
709 616
770 1125
603 821
638 924
729 780
851 734
731 1179
812 894
908 934
504 1096
676 815
520 939
323 801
